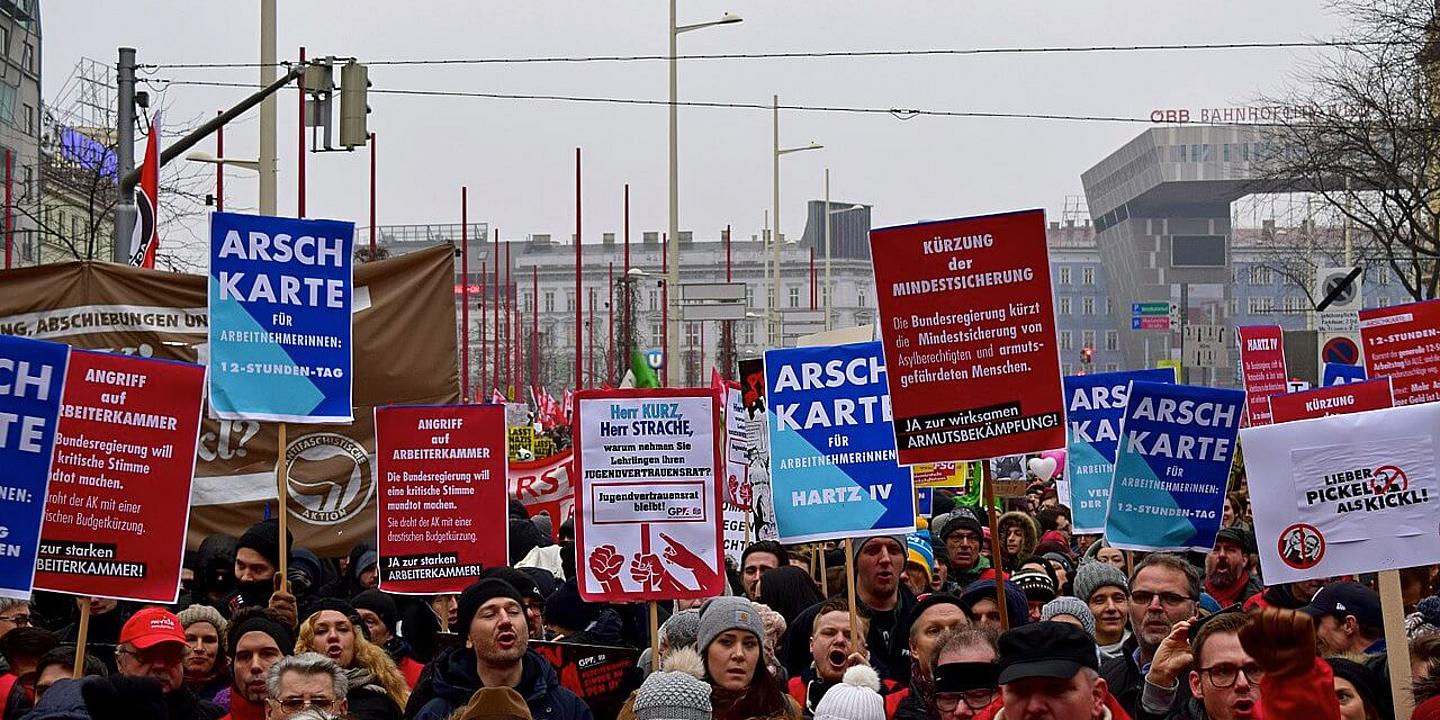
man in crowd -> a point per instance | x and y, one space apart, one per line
1289 596
379 612
152 644
964 540
491 614
59 664
257 557
1223 680
985 610
256 640
933 618
22 649
304 681
14 613
1227 568
758 558
1164 591
966 676
1049 670
1104 588
832 652
1347 619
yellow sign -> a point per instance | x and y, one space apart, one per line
1173 365
544 447
940 475
520 438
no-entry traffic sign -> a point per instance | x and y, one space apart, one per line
1340 350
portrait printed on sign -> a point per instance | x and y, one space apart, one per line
650 500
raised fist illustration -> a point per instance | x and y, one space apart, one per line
605 564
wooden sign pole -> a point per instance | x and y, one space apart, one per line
81 634
654 636
1392 608
283 495
850 592
987 501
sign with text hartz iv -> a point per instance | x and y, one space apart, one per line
1176 446
1262 368
968 328
280 293
649 503
832 445
1403 342
1345 494
32 382
1094 404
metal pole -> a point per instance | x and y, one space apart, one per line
495 381
610 326
775 239
579 345
124 154
509 329
535 325
268 145
672 243
829 289
220 169
373 229
465 293
300 152
665 319
627 317
590 341
9 210
484 354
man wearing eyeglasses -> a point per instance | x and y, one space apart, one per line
1164 590
967 680
1224 679
964 541
152 645
305 681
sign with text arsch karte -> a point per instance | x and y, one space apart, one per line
32 379
968 326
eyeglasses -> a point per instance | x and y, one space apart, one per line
1168 599
977 699
957 538
295 705
1224 676
16 620
168 653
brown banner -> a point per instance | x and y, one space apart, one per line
405 352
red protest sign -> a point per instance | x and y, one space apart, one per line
1262 368
443 495
969 333
119 497
1403 342
1333 400
649 502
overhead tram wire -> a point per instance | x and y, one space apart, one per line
935 52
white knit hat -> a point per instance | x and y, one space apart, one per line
857 697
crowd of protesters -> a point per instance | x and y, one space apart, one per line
1094 634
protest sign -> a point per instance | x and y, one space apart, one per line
650 501
1172 466
602 676
1345 494
280 294
1339 374
738 493
521 442
119 500
1334 400
939 475
443 496
1094 404
1403 342
32 381
924 500
545 486
969 333
757 451
1262 368
832 445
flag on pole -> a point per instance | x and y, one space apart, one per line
496 397
644 376
145 237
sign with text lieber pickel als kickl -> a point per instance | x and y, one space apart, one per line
832 445
280 300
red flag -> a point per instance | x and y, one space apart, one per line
496 397
145 238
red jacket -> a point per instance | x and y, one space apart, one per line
891 690
240 709
411 670
1310 695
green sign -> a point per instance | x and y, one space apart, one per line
1150 308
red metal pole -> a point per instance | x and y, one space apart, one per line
627 229
701 368
9 210
579 346
495 381
220 169
590 340
300 168
465 292
610 327
509 328
627 316
665 311
812 280
515 373
535 326
372 235
481 395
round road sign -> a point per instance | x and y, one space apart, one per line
1340 350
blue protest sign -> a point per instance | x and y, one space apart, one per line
280 292
1094 404
832 445
32 381
924 501
1172 465
1340 374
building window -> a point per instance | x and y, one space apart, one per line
1294 305
1087 276
1087 305
570 301
529 302
1065 343
28 61
1064 306
654 300
749 296
1260 305
656 333
1112 340
1107 304
794 297
1112 367
1087 338
1261 275
1383 301
692 334
1232 306
863 302
29 117
550 301
747 333
1064 275
825 296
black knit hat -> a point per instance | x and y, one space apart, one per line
264 538
565 608
930 601
479 593
379 603
262 622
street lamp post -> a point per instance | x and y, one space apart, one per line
672 248
829 289
776 237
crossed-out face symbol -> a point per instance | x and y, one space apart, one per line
1389 478
1302 546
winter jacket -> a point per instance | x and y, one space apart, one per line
888 638
61 702
186 705
1029 529
791 712
804 690
910 707
1278 596
367 699
450 680
1123 678
242 709
1249 589
962 578
524 535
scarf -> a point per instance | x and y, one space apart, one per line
922 685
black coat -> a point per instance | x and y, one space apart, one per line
450 680
888 639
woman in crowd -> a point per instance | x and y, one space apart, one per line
788 590
731 646
207 671
377 689
1362 694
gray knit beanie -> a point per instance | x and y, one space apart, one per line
674 693
206 614
682 629
1093 575
1066 605
859 543
720 614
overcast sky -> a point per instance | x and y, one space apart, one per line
517 156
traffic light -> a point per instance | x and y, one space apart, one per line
354 104
1087 355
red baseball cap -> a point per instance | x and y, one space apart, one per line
150 627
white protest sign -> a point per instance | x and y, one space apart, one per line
738 493
1346 494
649 500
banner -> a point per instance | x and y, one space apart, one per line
1339 374
119 500
739 496
1335 400
1345 494
1403 342
280 293
939 475
832 445
1094 404
443 496
650 501
1172 466
545 486
757 451
1262 368
404 301
968 325
32 382
602 676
